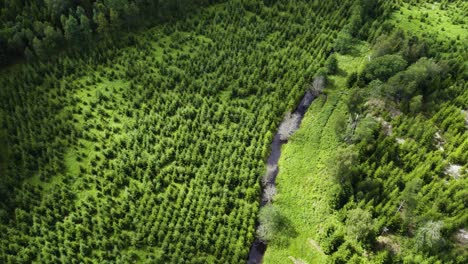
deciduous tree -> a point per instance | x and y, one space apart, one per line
359 224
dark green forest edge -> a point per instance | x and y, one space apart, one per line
137 131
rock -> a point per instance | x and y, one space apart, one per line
439 141
390 243
462 236
465 113
453 170
387 127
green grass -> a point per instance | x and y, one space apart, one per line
430 18
305 184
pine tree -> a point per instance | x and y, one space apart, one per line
71 29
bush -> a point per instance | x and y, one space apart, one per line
429 236
351 80
270 223
359 225
332 64
383 68
344 42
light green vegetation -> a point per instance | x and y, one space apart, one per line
443 25
150 148
377 173
152 151
307 190
447 21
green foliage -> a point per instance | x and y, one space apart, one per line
408 147
410 198
341 127
150 149
355 101
429 236
304 167
415 104
332 237
359 224
345 160
352 79
274 228
391 44
365 132
71 29
344 42
24 21
383 67
332 64
421 78
270 223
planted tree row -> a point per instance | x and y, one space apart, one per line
153 152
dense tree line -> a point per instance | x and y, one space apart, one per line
42 28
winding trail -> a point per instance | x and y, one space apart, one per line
258 248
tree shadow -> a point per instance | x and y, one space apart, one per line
342 73
285 233
355 51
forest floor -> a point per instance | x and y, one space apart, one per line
305 184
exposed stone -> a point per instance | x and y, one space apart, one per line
462 236
453 170
465 113
387 127
439 141
400 140
389 243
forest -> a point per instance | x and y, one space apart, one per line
384 150
37 29
135 131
